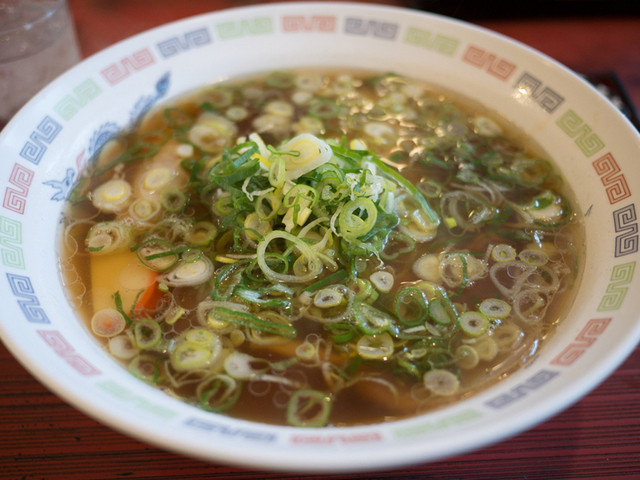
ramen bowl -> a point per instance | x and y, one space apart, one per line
46 146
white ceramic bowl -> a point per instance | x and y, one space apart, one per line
48 142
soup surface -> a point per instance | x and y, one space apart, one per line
316 249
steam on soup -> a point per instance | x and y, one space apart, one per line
312 249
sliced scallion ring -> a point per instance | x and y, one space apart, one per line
267 206
202 233
507 336
200 336
467 357
122 347
486 347
148 333
146 367
219 393
473 323
503 253
308 408
312 264
375 347
189 356
535 257
277 172
328 297
144 209
382 280
173 200
242 366
112 196
494 308
441 382
156 179
427 267
411 306
371 320
357 218
304 153
108 322
108 237
438 311
157 254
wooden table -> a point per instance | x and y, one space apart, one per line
597 438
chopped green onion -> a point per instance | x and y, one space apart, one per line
280 79
117 299
112 196
248 320
507 336
157 254
148 333
277 172
371 320
494 308
147 146
200 336
311 261
189 273
357 218
439 312
202 234
430 214
397 244
108 237
267 206
242 366
174 314
324 108
427 267
156 179
364 291
107 322
328 297
189 356
473 323
375 347
411 306
219 393
174 200
441 382
335 277
122 347
503 253
146 367
535 257
486 348
144 209
531 172
382 280
303 154
467 357
530 305
308 408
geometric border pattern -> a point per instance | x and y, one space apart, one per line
621 276
610 174
625 221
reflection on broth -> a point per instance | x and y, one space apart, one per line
318 249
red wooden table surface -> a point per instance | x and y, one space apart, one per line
597 438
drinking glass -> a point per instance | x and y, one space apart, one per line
37 43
